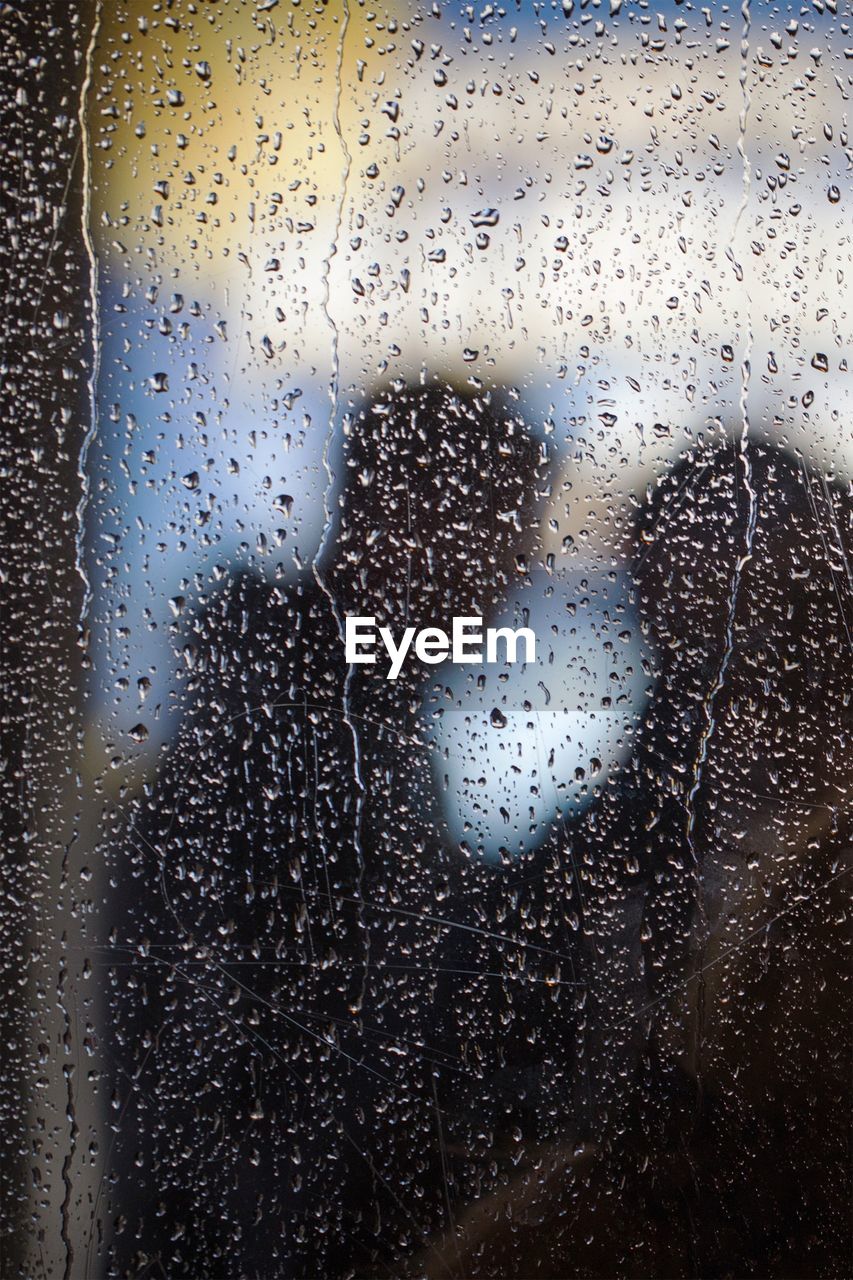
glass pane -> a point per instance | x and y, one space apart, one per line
430 620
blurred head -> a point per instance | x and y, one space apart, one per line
440 494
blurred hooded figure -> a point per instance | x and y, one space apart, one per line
705 1133
278 985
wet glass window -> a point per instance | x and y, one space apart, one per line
428 624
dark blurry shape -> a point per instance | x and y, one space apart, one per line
46 357
441 490
713 916
342 1046
377 1037
276 975
241 947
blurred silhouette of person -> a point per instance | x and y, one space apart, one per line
279 990
707 1135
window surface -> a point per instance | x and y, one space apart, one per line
520 961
